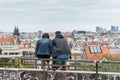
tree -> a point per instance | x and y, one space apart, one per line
16 63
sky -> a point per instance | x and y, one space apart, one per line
53 15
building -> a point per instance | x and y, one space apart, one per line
114 29
9 45
16 36
96 51
15 47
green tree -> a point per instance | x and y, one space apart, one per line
15 63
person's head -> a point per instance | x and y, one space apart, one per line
58 33
45 35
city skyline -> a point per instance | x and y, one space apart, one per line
63 15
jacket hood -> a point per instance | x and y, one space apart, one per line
59 36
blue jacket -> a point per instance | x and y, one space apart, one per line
43 47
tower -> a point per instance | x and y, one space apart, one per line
16 35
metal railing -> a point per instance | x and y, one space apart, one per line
76 65
94 69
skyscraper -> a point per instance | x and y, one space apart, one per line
114 29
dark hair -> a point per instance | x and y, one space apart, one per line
45 35
57 32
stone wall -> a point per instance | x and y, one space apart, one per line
38 74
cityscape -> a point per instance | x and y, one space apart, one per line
19 44
102 45
91 29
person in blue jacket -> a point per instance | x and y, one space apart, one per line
44 48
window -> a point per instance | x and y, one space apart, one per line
99 49
4 43
25 52
91 49
11 53
16 53
114 51
5 53
95 49
1 43
30 52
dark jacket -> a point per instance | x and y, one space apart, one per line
43 47
60 46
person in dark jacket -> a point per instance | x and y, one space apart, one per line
44 48
61 50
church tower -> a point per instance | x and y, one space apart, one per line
16 35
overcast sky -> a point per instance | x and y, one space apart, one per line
64 15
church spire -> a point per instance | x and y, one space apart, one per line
16 31
16 35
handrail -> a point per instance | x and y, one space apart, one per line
75 65
91 63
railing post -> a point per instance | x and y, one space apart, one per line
75 62
36 63
75 65
96 67
13 62
44 72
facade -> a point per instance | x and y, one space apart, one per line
10 52
16 47
9 45
29 54
100 30
6 41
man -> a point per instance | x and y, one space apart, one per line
61 50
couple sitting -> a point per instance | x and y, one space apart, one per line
57 48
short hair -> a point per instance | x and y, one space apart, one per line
45 35
57 32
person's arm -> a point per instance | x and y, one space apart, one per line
69 50
70 45
70 56
51 47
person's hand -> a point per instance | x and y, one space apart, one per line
35 55
70 57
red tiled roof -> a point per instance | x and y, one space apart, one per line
6 39
67 36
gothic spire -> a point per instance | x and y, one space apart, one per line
16 31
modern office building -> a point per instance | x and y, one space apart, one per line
114 29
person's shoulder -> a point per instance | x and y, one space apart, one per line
49 39
38 40
65 38
53 39
42 40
